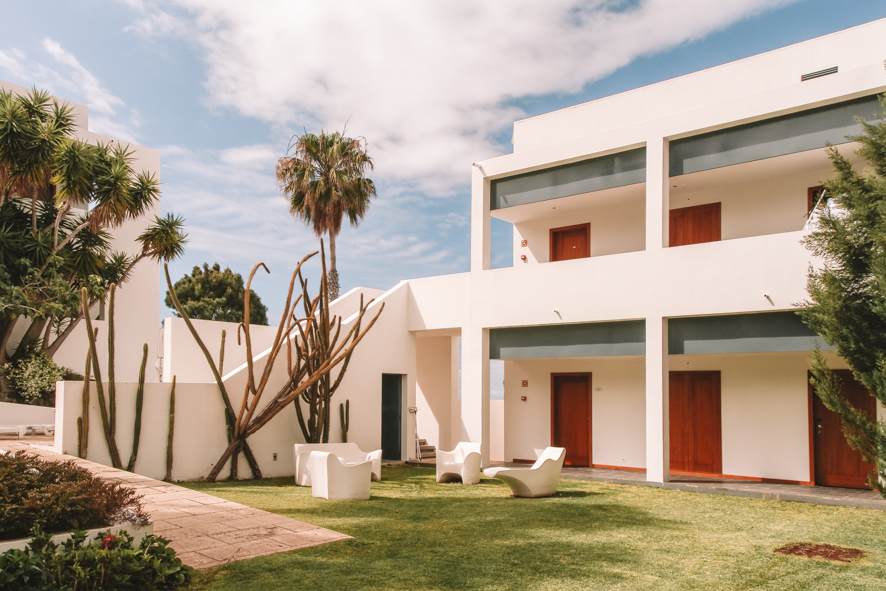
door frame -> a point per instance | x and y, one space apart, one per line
551 232
719 431
712 206
403 427
812 395
590 409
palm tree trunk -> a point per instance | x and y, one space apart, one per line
332 283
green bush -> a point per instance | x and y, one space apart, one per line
32 378
110 562
60 496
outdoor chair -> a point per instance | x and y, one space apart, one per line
538 481
336 481
348 453
18 430
463 462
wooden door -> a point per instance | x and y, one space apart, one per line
696 446
694 225
571 416
391 415
837 464
570 242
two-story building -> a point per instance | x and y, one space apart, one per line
647 322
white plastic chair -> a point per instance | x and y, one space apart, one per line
336 481
538 481
463 462
348 453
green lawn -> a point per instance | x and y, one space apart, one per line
417 534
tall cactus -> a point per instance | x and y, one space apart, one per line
139 403
99 388
344 411
171 432
83 421
112 384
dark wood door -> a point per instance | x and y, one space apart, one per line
391 415
837 464
696 445
694 225
570 242
571 417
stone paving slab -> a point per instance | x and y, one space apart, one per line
204 530
798 493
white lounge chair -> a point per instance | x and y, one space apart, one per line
335 481
349 453
463 462
538 481
18 430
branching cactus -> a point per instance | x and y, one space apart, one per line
313 350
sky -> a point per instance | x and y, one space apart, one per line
221 87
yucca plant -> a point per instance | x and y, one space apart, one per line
59 200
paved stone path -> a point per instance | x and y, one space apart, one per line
204 530
822 495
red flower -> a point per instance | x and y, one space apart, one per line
108 542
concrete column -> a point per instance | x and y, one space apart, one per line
657 193
658 464
456 427
475 387
480 220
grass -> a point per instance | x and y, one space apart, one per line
417 534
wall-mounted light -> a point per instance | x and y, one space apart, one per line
524 243
523 398
523 257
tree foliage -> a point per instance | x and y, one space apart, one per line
325 180
847 294
59 197
212 294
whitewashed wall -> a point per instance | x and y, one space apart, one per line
617 415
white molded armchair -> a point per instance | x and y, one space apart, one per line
336 481
462 462
538 481
348 453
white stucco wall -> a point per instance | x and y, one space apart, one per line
730 92
435 389
199 437
183 358
617 415
615 228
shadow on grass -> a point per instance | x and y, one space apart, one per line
417 534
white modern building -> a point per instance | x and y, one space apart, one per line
647 322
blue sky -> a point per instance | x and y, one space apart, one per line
220 87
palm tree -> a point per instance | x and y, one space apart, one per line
324 181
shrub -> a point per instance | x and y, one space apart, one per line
59 496
109 562
33 377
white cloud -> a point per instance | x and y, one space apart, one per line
72 81
430 84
